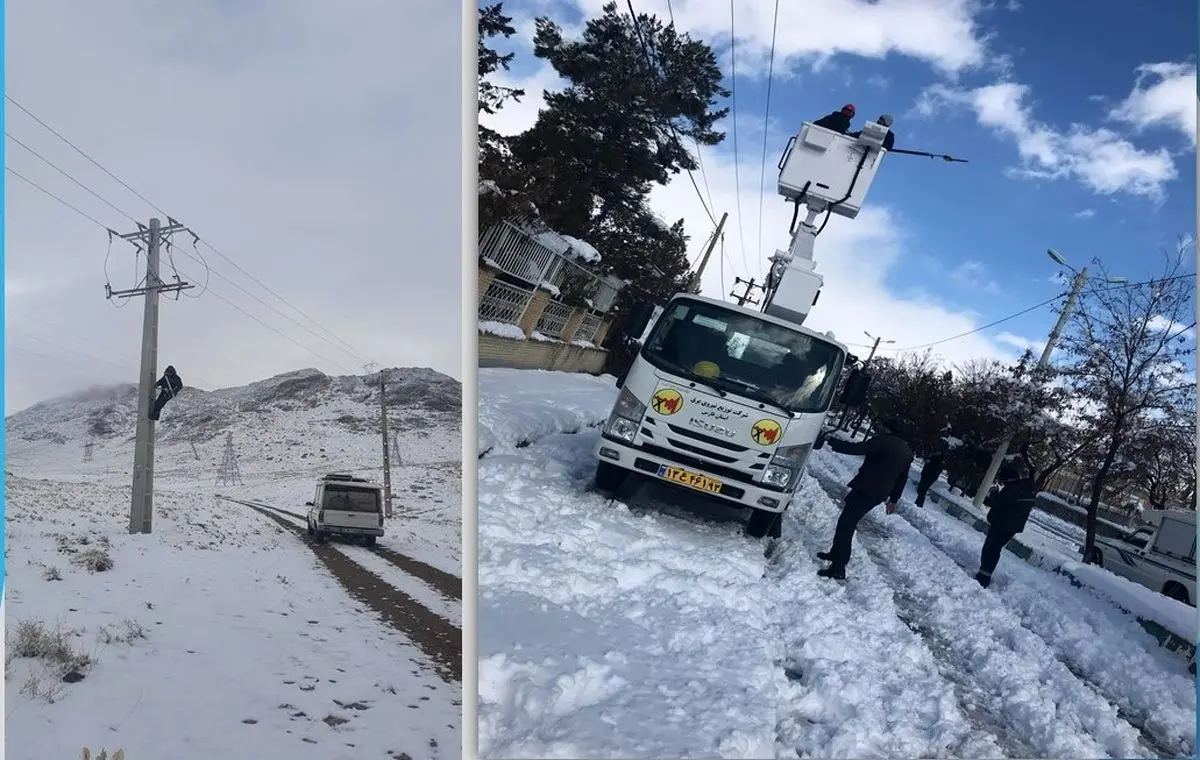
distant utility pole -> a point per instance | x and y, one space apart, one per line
141 508
989 476
383 434
87 451
745 298
195 453
229 473
712 243
866 362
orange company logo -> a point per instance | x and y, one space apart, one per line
765 432
667 401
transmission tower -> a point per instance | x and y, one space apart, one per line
229 473
87 451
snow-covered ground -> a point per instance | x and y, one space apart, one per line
222 633
606 631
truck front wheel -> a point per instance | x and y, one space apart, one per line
764 524
609 478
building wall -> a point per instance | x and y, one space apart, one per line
495 351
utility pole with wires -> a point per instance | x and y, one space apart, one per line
708 249
866 363
745 298
141 508
383 434
229 474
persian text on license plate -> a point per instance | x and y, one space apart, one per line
690 479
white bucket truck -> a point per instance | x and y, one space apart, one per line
728 401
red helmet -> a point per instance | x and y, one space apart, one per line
848 109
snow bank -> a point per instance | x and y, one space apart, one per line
518 406
502 330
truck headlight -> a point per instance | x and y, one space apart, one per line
786 465
626 417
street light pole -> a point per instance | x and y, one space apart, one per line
989 477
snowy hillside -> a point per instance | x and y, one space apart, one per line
655 631
225 632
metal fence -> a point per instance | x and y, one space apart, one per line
553 321
536 259
504 303
588 327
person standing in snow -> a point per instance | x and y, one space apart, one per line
884 473
889 140
170 384
933 468
1008 511
838 121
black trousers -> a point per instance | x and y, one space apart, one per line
997 538
854 509
923 487
159 403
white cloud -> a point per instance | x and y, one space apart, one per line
1163 95
1162 324
1099 159
1086 213
973 275
942 33
1021 344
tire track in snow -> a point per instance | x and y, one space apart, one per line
434 636
446 584
1159 718
1063 715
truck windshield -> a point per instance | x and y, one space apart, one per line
349 499
740 353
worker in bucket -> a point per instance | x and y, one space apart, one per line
1008 511
887 458
889 140
169 385
838 121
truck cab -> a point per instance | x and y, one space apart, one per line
724 401
348 507
1160 555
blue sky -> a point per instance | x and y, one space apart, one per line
1078 122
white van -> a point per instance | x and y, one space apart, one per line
1160 555
346 506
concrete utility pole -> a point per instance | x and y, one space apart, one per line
745 298
843 423
989 477
383 431
712 243
141 508
87 451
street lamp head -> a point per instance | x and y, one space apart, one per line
889 341
1117 280
1057 257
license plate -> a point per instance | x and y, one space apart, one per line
690 479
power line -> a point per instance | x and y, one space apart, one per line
695 142
1022 312
637 28
762 176
737 171
68 175
351 350
76 209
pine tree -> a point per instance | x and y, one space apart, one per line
589 162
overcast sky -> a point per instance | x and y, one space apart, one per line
316 144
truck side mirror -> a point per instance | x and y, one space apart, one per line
855 391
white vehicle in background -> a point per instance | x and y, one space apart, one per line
1160 555
347 507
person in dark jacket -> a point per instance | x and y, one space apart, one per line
838 121
882 476
933 468
169 385
1008 511
889 140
